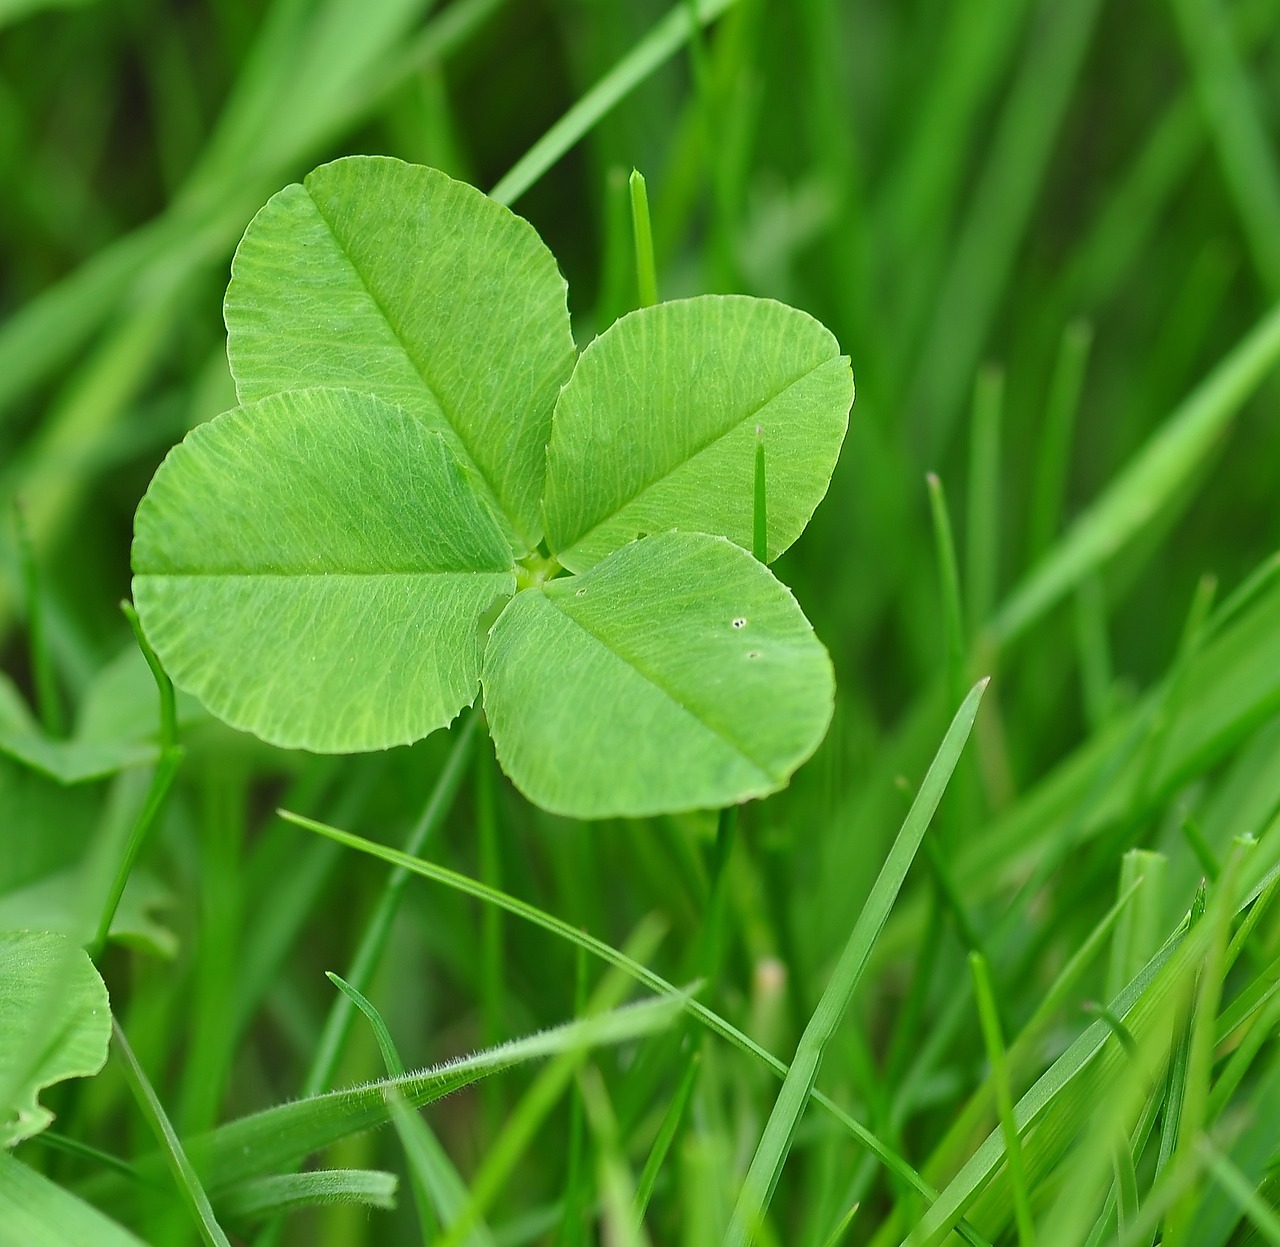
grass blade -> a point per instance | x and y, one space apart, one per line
949 587
659 45
646 273
997 1059
260 1198
184 1174
642 974
775 1143
284 1135
1150 483
435 1181
369 952
1245 150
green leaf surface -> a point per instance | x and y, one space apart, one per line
115 727
57 902
685 676
55 1021
314 567
657 427
393 278
35 1212
69 761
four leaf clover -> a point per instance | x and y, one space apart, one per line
426 490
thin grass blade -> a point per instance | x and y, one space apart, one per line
779 1132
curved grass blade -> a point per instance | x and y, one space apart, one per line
642 974
435 1180
267 1141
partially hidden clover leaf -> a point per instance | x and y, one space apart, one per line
641 686
314 566
395 280
321 565
657 427
55 1023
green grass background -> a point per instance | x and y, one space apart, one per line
1048 235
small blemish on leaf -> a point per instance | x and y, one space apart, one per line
740 622
755 653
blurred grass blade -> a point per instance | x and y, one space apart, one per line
948 587
1149 485
995 225
982 524
1245 150
1240 1189
621 1224
779 1132
1053 460
661 43
184 1174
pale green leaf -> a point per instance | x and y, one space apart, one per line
55 1022
677 674
115 728
393 278
69 761
62 901
35 1212
314 568
657 428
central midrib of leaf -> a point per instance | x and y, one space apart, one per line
403 343
334 574
664 688
718 436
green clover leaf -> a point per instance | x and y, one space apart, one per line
323 565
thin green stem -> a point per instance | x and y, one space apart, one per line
161 781
164 685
